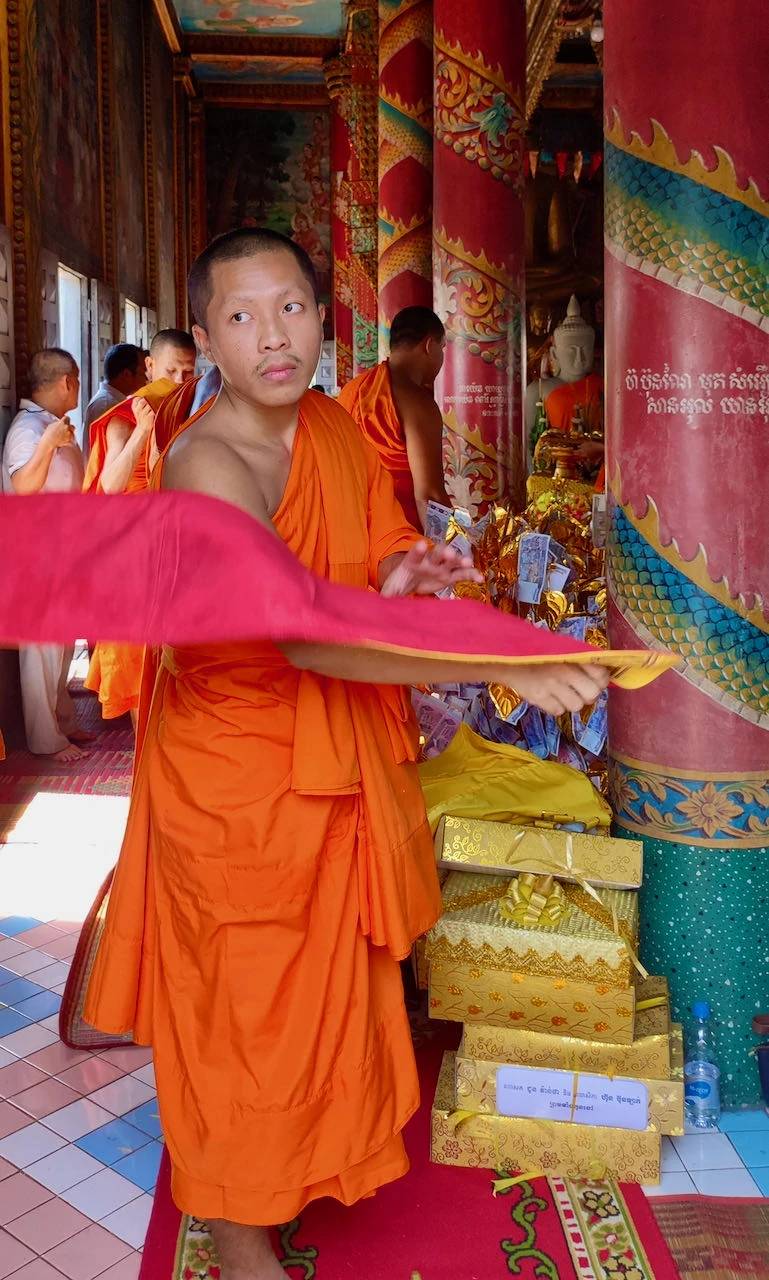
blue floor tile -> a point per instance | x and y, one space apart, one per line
11 1021
141 1168
761 1179
113 1141
753 1148
43 1005
7 975
146 1118
744 1122
18 990
12 925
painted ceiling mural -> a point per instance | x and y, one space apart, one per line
260 17
259 70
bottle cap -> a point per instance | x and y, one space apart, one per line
701 1009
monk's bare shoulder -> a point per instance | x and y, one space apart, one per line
200 462
416 407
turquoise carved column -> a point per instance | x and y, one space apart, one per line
687 323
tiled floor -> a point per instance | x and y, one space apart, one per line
80 1140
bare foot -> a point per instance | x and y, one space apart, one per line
245 1253
68 755
81 736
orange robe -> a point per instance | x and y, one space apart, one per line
369 400
115 670
561 404
277 863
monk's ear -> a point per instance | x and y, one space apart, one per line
201 338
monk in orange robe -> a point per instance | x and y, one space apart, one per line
121 444
277 861
122 454
395 408
587 394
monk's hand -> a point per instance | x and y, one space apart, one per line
559 686
424 570
144 415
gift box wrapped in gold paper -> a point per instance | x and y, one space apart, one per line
476 1086
556 1006
500 848
647 1056
594 942
460 1136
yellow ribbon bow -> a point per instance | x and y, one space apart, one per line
533 900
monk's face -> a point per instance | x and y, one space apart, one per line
263 328
174 363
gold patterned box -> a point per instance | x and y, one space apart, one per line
647 1056
500 848
582 947
553 1147
464 993
476 1087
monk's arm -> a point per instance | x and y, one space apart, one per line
212 468
423 428
124 448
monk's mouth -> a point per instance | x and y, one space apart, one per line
279 373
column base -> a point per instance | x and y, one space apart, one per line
705 926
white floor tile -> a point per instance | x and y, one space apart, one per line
146 1075
28 962
9 947
123 1095
671 1161
102 1194
7 1058
64 1169
59 991
77 1119
22 1043
130 1223
673 1184
725 1182
52 975
51 1024
707 1151
28 1145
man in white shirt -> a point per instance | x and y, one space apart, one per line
124 375
41 456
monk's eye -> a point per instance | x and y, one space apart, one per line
240 317
293 307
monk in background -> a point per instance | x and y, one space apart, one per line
395 408
277 862
122 454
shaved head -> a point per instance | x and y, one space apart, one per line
412 325
246 242
48 366
178 338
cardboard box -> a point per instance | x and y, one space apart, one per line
465 993
500 848
582 947
552 1147
647 1056
476 1087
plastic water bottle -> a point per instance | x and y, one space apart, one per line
701 1075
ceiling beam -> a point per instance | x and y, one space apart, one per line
207 46
222 94
169 24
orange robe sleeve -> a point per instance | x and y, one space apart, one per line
369 401
277 863
115 670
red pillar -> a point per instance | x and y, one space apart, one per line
337 72
687 323
405 159
478 241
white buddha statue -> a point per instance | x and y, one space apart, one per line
577 385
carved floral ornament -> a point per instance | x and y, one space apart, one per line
478 113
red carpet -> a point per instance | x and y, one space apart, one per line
440 1223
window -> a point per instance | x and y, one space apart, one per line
71 293
133 323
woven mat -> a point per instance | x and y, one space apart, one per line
722 1239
